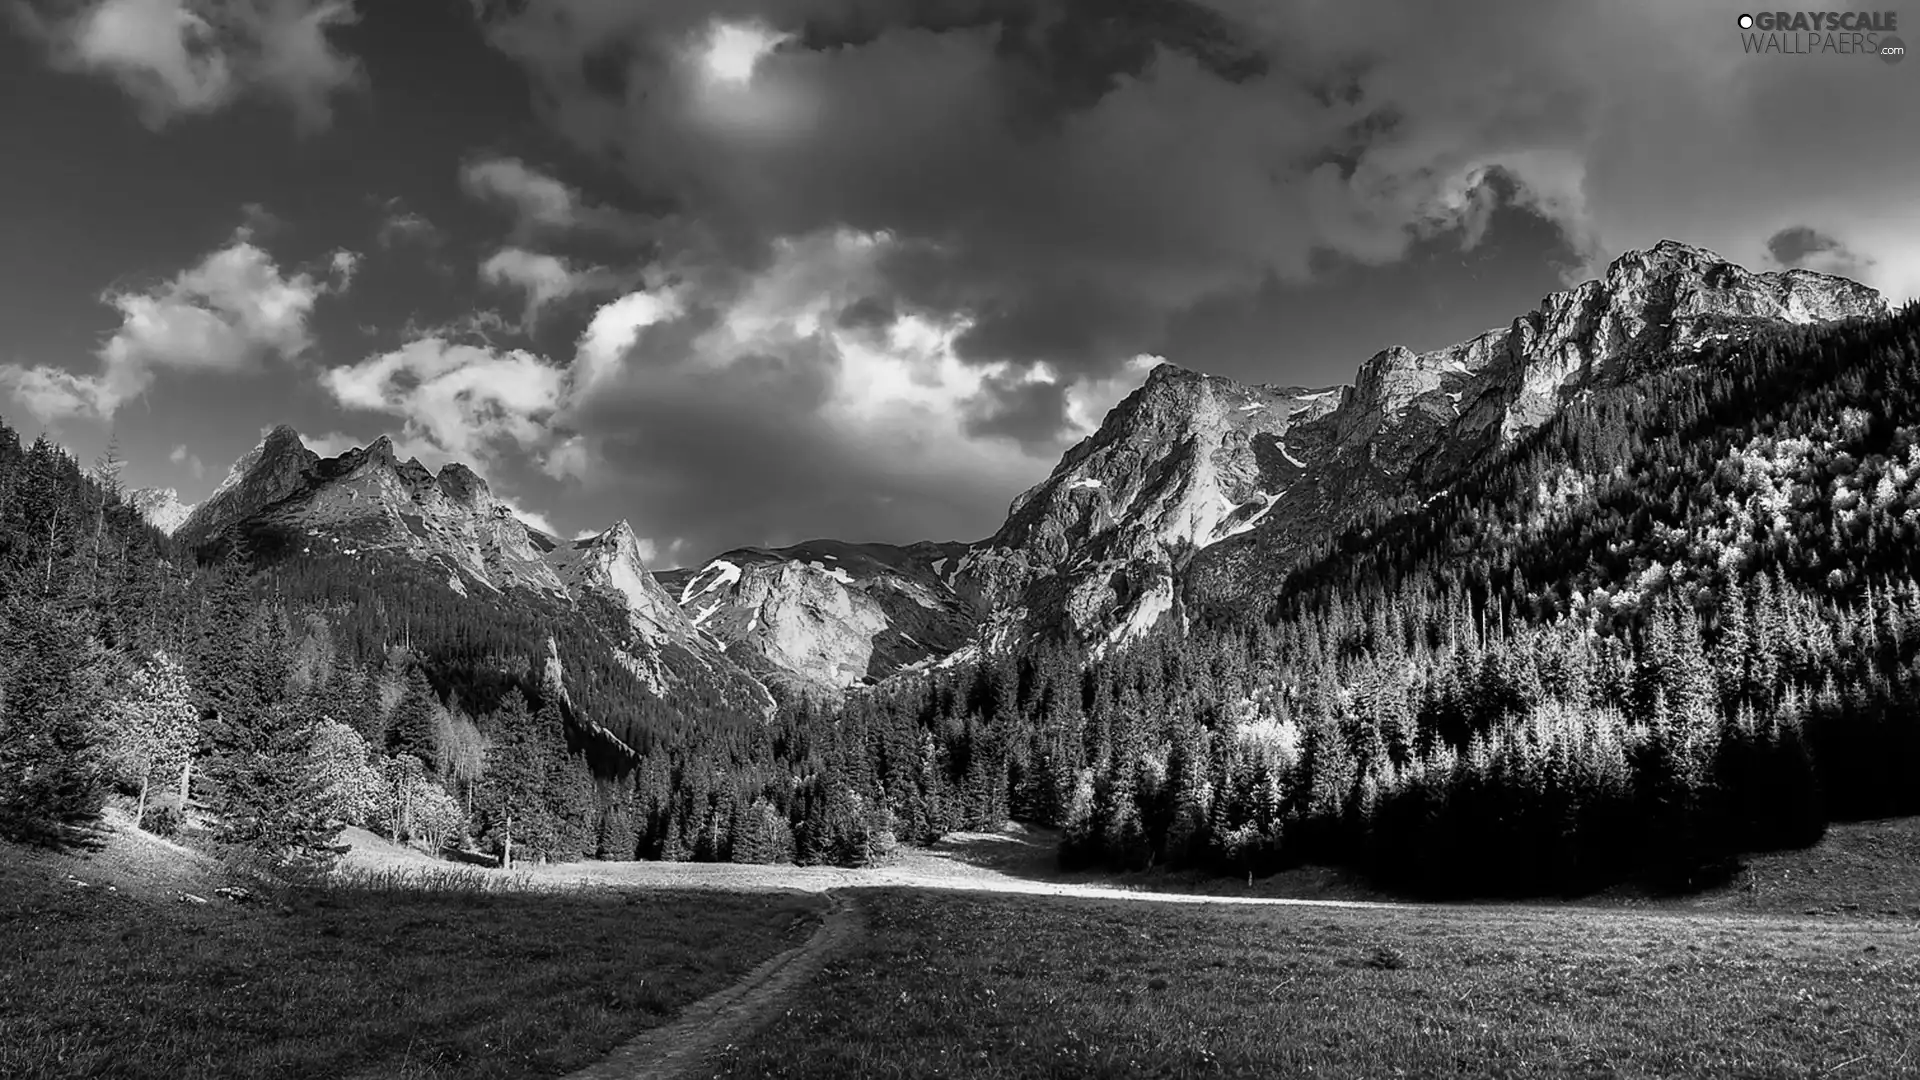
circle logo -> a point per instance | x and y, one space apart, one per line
1746 22
1892 49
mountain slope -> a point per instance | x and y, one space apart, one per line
1197 489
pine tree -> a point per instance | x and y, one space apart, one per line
569 788
414 728
514 789
53 753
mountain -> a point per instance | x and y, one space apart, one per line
1199 490
826 614
281 501
161 507
1196 492
366 501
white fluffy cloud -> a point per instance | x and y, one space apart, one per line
232 312
194 466
185 57
542 204
543 279
466 401
615 328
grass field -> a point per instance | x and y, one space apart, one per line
394 976
1807 966
990 986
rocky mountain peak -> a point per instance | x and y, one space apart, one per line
611 565
161 507
463 485
282 436
271 471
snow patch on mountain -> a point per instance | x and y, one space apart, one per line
717 574
1251 522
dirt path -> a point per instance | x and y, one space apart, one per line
729 1015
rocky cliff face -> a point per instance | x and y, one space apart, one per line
828 614
161 507
1197 487
1186 462
610 565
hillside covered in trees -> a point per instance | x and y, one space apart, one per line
1678 622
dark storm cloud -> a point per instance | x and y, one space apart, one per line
1077 327
1032 414
712 458
1054 155
869 313
1811 249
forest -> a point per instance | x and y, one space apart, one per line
1676 623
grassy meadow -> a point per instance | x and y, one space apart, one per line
998 987
399 974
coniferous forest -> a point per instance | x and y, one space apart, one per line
1676 623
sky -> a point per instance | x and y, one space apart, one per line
760 271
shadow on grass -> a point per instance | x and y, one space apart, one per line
76 836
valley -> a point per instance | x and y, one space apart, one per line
905 539
1510 712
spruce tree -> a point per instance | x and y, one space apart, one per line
53 752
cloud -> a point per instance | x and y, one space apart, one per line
1810 249
544 279
400 225
1068 176
343 264
541 203
332 444
463 402
532 517
762 412
916 246
182 456
760 407
1625 123
614 331
232 312
180 58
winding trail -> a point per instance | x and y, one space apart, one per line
730 1015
